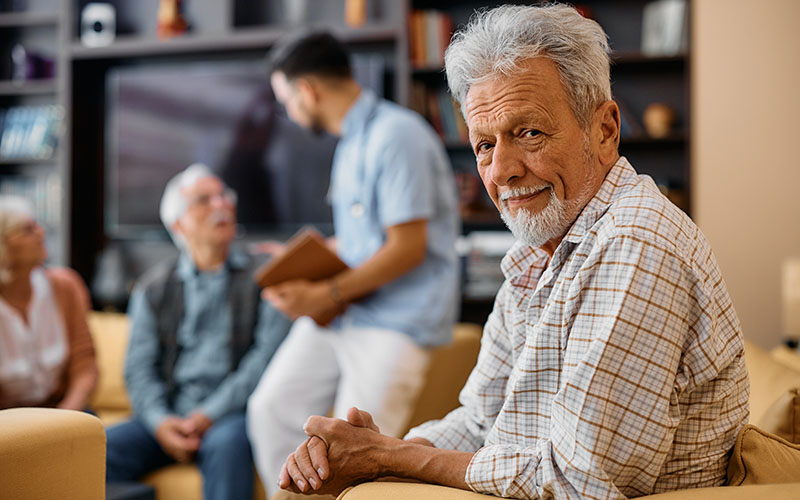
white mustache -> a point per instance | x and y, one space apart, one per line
524 191
220 216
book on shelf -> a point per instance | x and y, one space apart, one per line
30 132
439 108
42 191
665 28
429 36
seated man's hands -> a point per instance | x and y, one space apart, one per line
304 298
336 455
177 443
196 424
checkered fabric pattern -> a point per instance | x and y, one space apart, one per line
614 370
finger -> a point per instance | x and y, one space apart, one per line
361 418
318 426
303 461
284 480
294 472
318 452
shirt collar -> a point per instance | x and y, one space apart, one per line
186 268
521 256
359 112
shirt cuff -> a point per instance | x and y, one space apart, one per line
213 408
502 470
443 435
153 418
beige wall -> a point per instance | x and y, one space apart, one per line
746 148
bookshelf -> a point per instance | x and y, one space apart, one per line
31 114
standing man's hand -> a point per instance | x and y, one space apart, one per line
175 442
304 298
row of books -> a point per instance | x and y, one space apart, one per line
30 132
429 36
439 108
43 191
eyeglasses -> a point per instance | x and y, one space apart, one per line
205 199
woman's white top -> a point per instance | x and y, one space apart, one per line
33 355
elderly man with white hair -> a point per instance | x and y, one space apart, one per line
612 365
200 339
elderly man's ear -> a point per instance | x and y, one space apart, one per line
606 130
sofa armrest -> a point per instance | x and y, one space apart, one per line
417 491
51 454
786 491
407 491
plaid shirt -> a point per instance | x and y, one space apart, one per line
615 370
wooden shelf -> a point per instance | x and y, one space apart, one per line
241 39
676 139
28 19
27 87
428 70
27 161
637 58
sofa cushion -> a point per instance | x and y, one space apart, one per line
110 337
783 417
769 380
788 357
763 458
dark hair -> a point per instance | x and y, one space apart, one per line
318 54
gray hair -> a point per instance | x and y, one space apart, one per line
14 210
496 41
174 203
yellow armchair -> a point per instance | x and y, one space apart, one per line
48 454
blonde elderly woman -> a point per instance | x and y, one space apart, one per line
46 352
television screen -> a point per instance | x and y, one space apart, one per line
162 118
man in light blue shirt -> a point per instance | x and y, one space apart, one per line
396 220
200 339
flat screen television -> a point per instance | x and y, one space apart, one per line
163 117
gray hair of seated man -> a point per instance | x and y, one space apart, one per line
496 41
14 210
174 202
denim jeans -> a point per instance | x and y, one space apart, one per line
224 457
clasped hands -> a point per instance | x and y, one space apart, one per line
337 454
180 437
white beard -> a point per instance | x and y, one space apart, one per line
536 229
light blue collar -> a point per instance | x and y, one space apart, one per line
359 113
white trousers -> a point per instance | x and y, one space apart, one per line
380 371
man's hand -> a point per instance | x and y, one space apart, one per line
318 460
196 425
175 442
304 298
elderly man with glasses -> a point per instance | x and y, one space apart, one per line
200 339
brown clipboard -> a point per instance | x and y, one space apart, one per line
306 257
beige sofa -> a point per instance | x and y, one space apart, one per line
450 366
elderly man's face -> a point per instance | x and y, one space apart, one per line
210 216
536 162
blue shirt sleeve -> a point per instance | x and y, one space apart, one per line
406 179
231 395
143 381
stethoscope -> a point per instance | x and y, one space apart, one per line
357 208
